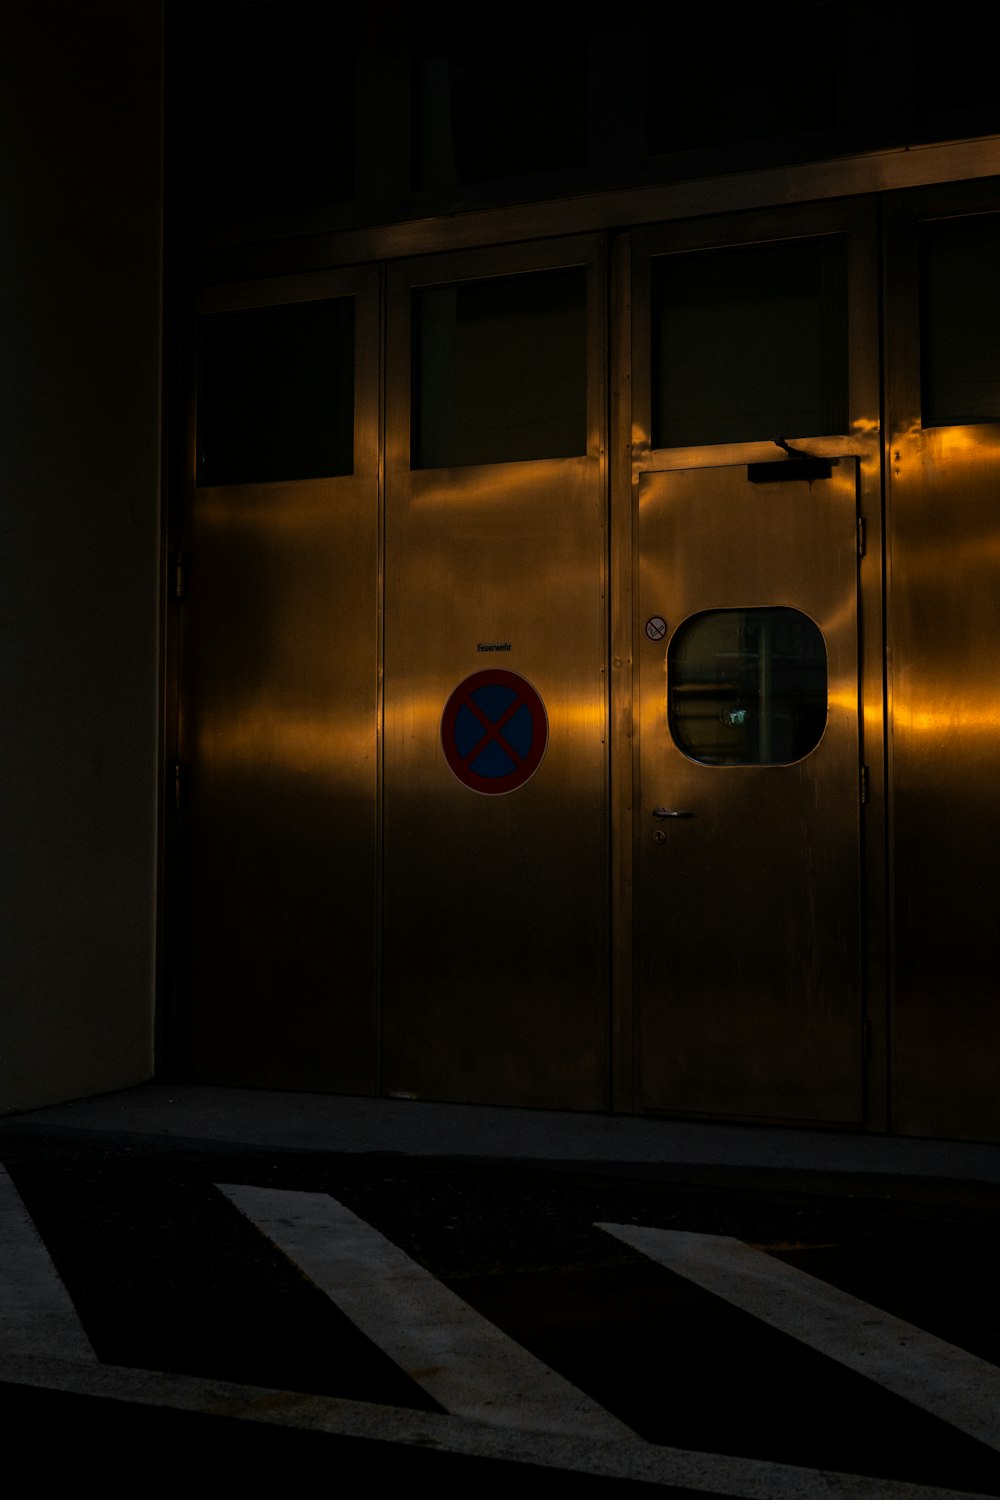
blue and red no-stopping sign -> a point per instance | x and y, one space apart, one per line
494 730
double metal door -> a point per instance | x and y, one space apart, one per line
375 896
397 870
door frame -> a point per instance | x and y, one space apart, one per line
626 399
634 455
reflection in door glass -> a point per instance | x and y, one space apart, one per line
747 687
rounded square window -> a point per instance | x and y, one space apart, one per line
747 687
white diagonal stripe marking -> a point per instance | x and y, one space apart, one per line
937 1376
704 1473
37 1315
461 1359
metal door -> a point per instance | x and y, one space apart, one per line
277 733
748 840
495 847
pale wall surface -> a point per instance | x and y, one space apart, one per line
80 298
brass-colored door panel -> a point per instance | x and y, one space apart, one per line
944 665
279 757
946 791
278 761
748 909
495 906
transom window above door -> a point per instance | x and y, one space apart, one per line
276 393
500 370
749 342
960 304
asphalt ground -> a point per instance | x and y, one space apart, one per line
172 1283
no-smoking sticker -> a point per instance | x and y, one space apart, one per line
494 731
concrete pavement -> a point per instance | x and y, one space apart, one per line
443 1286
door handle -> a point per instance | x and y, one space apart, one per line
668 812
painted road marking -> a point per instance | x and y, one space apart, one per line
938 1377
462 1360
703 1473
37 1315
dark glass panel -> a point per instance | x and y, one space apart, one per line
276 393
747 687
726 74
497 101
273 107
960 264
750 343
500 370
950 75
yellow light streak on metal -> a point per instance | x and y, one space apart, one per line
968 719
309 746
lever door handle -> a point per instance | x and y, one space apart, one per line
669 812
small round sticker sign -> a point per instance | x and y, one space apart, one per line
494 731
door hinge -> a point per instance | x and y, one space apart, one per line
862 536
863 784
178 786
181 574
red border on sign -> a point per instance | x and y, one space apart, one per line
527 765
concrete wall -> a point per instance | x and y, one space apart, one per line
80 270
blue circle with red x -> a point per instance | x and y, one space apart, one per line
494 731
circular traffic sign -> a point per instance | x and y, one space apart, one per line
494 731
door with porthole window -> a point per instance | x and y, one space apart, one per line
748 818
